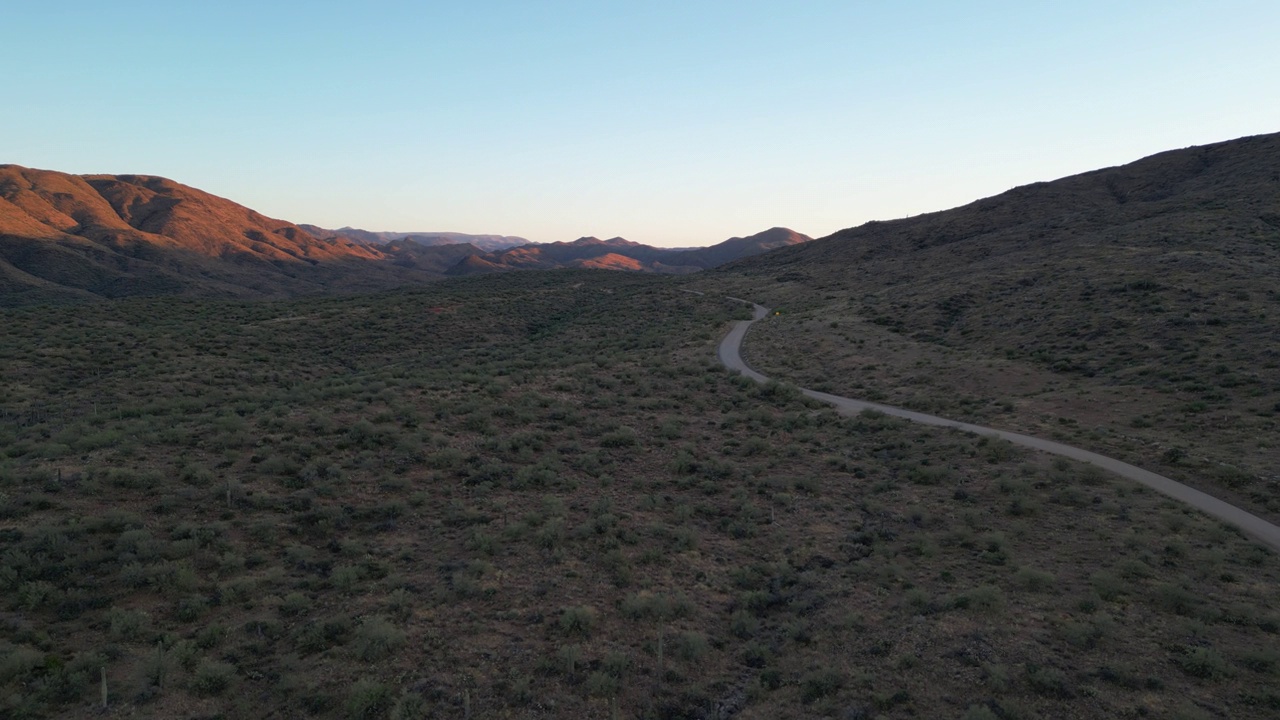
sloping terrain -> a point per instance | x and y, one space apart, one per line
408 252
737 248
537 494
594 252
1133 310
67 237
486 243
549 256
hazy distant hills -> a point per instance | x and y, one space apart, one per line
486 243
72 237
620 254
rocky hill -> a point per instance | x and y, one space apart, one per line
1135 308
66 237
70 237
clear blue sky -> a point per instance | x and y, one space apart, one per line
670 123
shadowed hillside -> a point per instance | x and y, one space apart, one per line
1134 309
68 237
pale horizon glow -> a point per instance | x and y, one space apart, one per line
667 123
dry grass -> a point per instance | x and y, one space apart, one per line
545 500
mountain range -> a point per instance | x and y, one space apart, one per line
486 243
70 237
620 254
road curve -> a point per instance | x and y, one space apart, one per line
730 354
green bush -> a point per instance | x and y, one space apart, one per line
1261 660
411 706
127 624
1205 663
819 684
1034 580
691 646
376 638
623 437
346 577
212 677
368 699
577 621
1048 681
602 684
987 598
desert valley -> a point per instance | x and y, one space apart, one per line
253 468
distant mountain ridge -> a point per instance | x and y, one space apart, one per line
486 243
70 237
619 253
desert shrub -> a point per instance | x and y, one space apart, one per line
602 684
37 594
818 684
616 663
655 606
1034 580
321 635
278 465
346 577
191 607
1048 681
376 638
620 438
997 450
743 624
1205 663
671 430
481 542
400 603
294 604
127 624
411 706
210 636
691 646
368 699
987 598
926 475
577 620
979 712
212 677
1176 599
1261 660
16 662
1108 585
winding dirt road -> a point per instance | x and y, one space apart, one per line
730 354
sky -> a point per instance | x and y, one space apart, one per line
668 123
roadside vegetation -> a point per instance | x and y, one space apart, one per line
537 495
1131 310
1194 399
